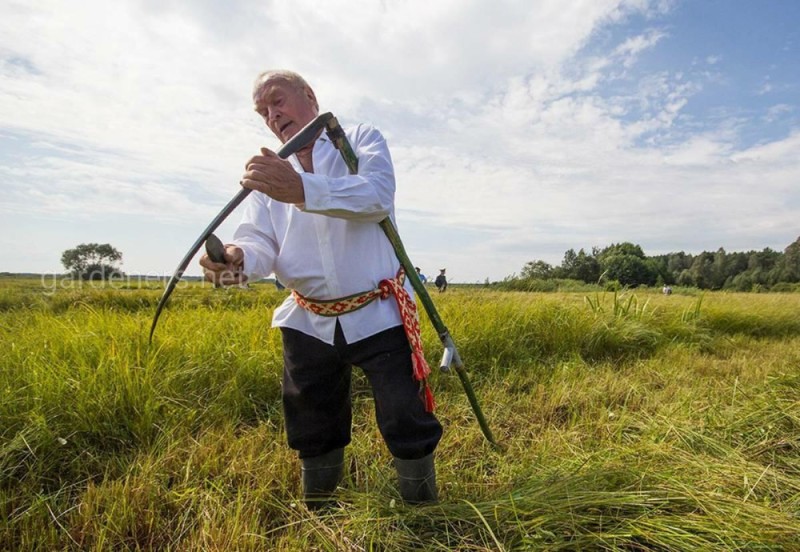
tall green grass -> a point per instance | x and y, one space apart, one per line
630 421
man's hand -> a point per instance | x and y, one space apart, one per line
275 177
228 273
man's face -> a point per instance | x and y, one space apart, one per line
286 108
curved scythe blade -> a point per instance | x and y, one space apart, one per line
298 141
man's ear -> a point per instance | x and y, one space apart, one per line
311 96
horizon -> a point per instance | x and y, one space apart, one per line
270 279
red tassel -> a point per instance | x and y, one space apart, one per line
408 312
421 369
430 404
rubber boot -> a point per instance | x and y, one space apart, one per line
417 480
320 476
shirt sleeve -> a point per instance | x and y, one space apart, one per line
256 236
367 196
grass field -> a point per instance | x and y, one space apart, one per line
632 421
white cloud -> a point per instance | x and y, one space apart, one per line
777 111
629 50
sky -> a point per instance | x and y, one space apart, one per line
518 129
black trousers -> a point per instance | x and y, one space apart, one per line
316 393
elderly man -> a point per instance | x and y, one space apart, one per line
315 226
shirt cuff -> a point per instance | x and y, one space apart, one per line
248 261
315 188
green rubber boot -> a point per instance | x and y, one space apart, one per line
417 480
320 476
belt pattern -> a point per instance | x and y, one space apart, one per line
408 313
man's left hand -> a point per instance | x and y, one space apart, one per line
275 177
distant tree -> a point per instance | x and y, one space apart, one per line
624 248
629 270
763 267
626 263
742 282
586 268
790 263
685 278
736 265
578 266
677 263
764 260
702 270
92 261
660 265
719 269
537 270
567 264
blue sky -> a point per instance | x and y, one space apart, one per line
518 130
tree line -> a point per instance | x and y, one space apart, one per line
626 264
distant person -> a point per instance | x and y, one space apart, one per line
422 277
441 281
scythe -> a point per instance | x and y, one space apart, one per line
297 142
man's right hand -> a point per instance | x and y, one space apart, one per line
228 273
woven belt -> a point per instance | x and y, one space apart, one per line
408 312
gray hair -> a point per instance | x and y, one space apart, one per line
289 77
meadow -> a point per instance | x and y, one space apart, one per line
628 421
